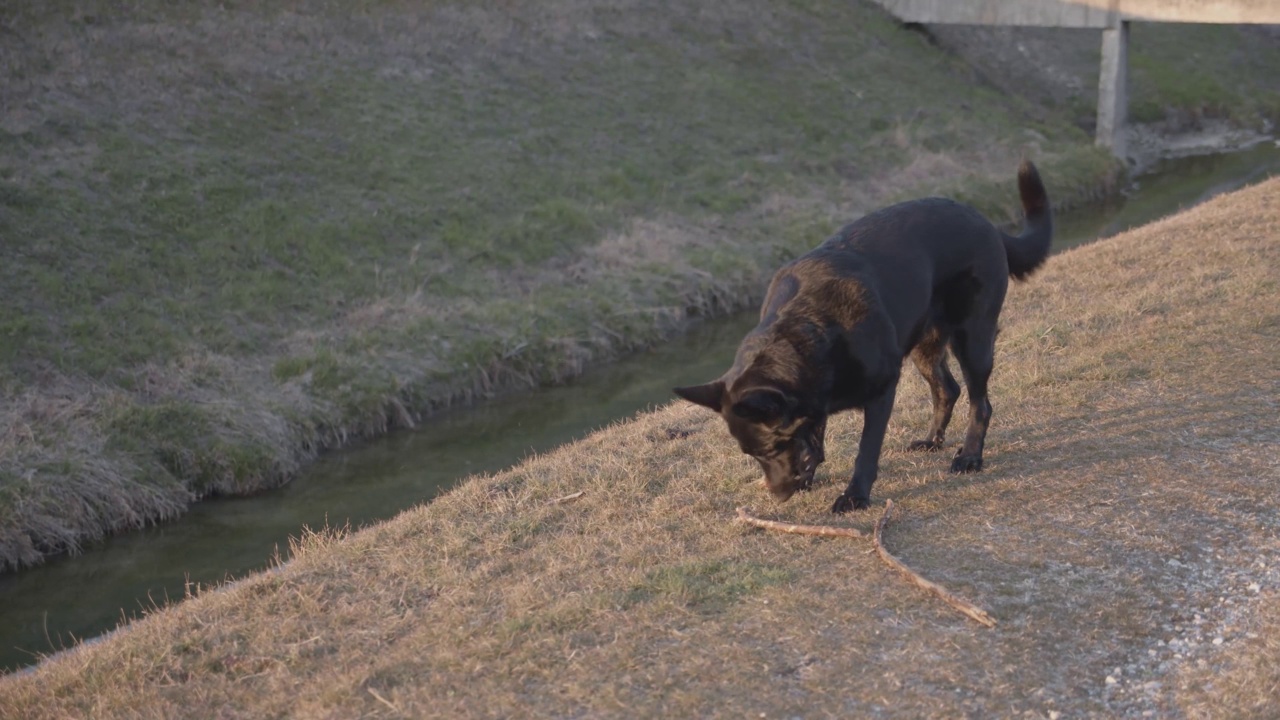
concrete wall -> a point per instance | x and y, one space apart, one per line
1082 13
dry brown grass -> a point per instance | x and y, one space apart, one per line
1129 494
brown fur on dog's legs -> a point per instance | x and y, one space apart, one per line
930 358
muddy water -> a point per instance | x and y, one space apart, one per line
45 608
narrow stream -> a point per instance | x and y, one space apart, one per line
47 607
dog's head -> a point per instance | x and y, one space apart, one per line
771 426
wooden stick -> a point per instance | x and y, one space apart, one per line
821 530
969 609
378 696
567 498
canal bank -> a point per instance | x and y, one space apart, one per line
239 235
1123 534
45 607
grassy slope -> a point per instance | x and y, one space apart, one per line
233 236
1214 78
1128 498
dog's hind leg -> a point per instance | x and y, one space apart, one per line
930 357
974 347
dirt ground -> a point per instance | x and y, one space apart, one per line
1125 534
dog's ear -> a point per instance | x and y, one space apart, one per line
710 395
763 405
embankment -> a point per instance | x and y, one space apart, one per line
1125 534
237 235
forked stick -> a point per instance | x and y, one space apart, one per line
969 609
823 530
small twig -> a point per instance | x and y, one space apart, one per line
45 620
969 609
383 700
820 530
567 498
830 76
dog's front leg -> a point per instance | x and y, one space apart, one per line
875 414
820 442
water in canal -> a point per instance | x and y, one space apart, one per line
44 608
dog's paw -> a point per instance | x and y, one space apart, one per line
966 464
925 446
845 504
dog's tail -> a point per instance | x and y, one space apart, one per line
1028 250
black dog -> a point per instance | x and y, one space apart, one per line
914 278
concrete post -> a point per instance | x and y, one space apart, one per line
1113 87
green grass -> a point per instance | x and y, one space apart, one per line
274 208
180 441
1193 71
323 220
706 585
